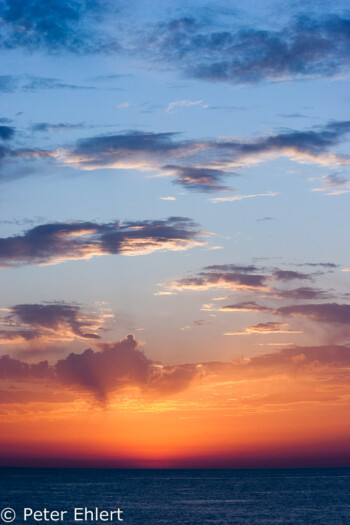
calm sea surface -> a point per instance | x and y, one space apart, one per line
189 497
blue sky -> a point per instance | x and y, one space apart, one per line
257 95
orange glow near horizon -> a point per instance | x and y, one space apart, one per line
242 422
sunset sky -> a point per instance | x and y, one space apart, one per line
174 246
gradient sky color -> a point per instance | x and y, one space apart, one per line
174 254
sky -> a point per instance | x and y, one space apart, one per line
174 255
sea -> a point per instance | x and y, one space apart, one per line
177 497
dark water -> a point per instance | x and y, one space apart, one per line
189 497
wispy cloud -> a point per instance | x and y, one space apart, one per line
306 47
334 184
230 276
234 198
183 103
49 322
266 329
57 242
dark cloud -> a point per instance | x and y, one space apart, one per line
329 363
55 25
198 179
289 275
114 367
202 165
122 365
196 165
9 154
314 142
200 322
128 149
328 265
19 370
222 276
247 306
12 83
241 268
301 357
265 328
46 127
306 47
322 313
56 242
48 321
249 277
333 318
6 132
39 83
303 293
335 179
16 335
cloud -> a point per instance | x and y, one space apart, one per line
266 329
6 132
38 83
200 322
18 370
46 127
333 315
203 165
183 103
306 47
303 293
289 275
303 357
328 265
333 184
49 322
251 278
127 150
55 26
234 198
248 306
57 242
123 367
338 314
197 323
233 277
22 156
12 83
197 179
116 366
